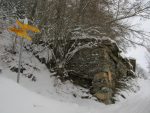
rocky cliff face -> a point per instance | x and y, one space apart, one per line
100 68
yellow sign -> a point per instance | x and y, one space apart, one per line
22 31
27 27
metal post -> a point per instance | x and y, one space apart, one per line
20 55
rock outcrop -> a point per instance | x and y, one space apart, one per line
99 68
94 63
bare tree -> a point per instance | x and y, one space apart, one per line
62 20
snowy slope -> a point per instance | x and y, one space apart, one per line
49 95
17 99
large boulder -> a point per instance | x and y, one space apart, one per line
99 68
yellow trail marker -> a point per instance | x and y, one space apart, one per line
22 31
27 27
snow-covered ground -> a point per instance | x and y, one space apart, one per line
48 95
19 99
